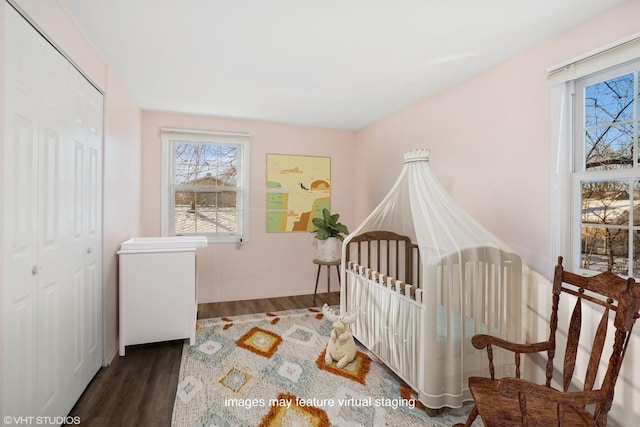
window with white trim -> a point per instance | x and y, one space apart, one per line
205 185
605 180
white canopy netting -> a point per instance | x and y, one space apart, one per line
469 282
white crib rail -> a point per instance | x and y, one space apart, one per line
390 320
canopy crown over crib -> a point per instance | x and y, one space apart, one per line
422 298
417 206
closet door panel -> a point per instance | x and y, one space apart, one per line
20 305
20 219
53 235
20 170
93 321
86 116
77 287
77 304
20 160
48 354
94 227
20 380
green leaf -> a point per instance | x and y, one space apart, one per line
342 229
328 226
326 216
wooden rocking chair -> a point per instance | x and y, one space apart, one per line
512 402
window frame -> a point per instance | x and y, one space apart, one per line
577 171
241 141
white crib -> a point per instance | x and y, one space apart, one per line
419 318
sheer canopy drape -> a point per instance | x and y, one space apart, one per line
457 303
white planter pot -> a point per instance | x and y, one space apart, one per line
330 249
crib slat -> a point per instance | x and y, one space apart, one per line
368 252
392 329
409 356
404 342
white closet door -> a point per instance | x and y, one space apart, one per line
93 347
52 228
86 243
53 290
21 215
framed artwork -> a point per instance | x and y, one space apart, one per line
298 188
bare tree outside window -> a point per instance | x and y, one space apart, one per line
609 123
610 207
206 188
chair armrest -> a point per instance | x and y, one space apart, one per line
510 387
480 341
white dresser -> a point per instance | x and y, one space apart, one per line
158 299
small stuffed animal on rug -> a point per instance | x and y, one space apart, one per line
341 346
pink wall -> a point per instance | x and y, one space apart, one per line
121 194
490 139
270 264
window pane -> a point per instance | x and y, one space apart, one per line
609 124
609 147
605 202
227 166
206 212
605 249
609 101
206 164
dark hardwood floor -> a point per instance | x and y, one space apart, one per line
234 308
139 388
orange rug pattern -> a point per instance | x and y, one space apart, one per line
295 415
260 341
356 371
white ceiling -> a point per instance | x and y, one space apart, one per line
339 64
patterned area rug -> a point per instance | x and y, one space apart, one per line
269 370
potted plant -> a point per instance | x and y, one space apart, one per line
330 234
